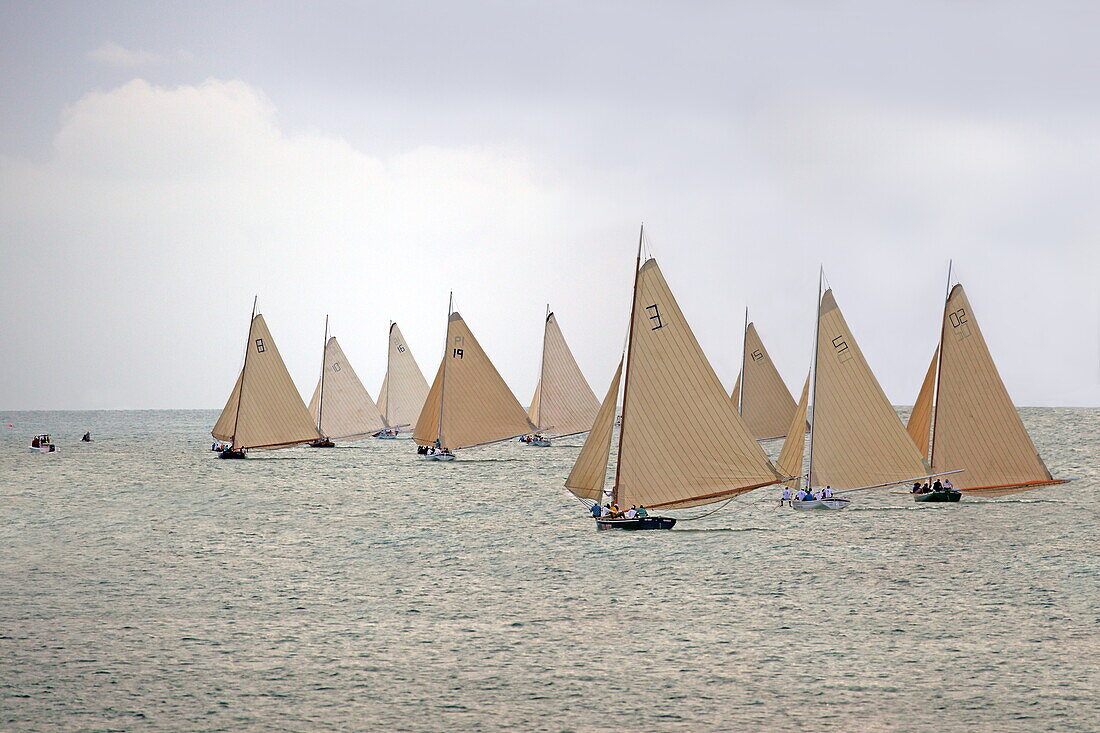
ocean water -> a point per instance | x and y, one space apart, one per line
146 585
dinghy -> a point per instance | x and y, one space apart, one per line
965 417
469 404
709 457
564 404
404 388
761 396
42 443
341 407
264 410
941 496
834 502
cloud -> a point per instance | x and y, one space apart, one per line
113 55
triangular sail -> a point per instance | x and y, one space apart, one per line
765 402
790 456
563 401
468 399
347 410
857 439
919 426
404 388
977 428
682 442
586 480
270 414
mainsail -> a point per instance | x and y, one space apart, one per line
469 403
762 398
681 443
976 427
563 402
790 456
586 480
264 409
341 406
404 388
856 439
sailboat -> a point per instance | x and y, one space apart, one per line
264 411
563 400
681 443
762 398
964 416
469 403
857 442
404 388
341 407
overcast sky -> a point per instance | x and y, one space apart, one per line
160 163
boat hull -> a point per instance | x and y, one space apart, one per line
541 443
638 523
836 502
386 436
938 496
322 444
230 453
440 457
44 449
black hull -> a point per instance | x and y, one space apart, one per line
230 453
322 444
938 496
639 523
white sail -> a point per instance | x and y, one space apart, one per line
563 401
264 409
766 404
404 388
468 403
341 406
589 473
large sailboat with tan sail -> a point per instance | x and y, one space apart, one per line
341 407
469 404
857 441
404 388
563 400
761 396
965 417
264 410
681 442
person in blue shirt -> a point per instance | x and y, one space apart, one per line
596 510
641 512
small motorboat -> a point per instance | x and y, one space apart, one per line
833 502
941 496
322 443
43 444
637 523
228 452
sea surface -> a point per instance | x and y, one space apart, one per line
147 586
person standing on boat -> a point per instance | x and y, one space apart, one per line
786 496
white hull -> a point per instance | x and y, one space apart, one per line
384 436
538 443
440 457
837 502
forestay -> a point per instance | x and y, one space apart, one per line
790 456
563 401
404 388
271 413
682 442
341 406
589 473
469 403
766 404
857 439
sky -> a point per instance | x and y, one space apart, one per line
163 163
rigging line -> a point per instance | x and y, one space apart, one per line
713 511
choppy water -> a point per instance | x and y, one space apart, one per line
145 585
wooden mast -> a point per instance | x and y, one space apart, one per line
744 347
244 367
939 365
446 357
629 348
813 382
321 393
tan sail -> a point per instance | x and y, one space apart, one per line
468 399
589 473
857 439
919 426
271 413
682 442
790 456
347 410
977 428
563 403
765 402
404 388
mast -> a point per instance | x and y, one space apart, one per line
629 348
542 369
939 364
321 395
244 367
389 360
744 347
446 358
813 382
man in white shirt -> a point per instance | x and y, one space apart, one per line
786 497
631 513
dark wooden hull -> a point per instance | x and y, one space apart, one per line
230 453
322 444
638 523
938 496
